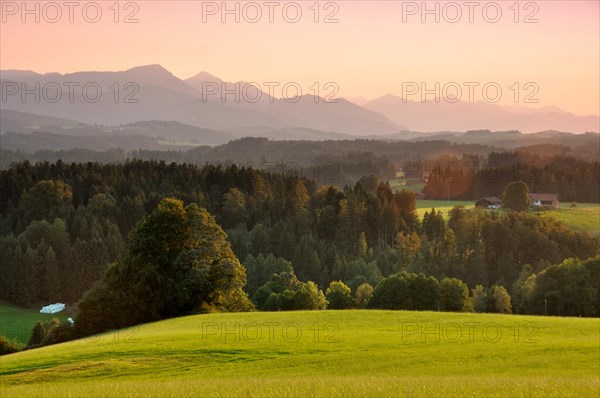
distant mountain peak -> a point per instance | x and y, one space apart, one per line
151 70
200 79
446 115
386 97
23 72
205 76
151 67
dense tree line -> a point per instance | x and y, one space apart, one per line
571 288
262 150
470 178
63 223
284 292
480 172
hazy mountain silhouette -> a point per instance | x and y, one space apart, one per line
153 93
314 113
215 89
23 122
463 116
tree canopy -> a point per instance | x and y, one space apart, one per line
178 260
358 234
516 196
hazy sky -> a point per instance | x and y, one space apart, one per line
372 49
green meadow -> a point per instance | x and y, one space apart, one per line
320 353
583 217
443 205
17 323
398 184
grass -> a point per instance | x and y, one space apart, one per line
444 205
584 217
321 353
398 184
17 323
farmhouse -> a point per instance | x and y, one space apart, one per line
491 202
544 199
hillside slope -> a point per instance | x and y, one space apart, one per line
327 353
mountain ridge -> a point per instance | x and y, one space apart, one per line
158 94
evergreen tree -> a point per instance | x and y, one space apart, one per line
38 335
479 296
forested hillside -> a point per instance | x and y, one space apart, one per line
459 171
467 177
61 224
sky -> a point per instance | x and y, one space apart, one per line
542 53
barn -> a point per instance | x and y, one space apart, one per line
490 202
420 196
544 199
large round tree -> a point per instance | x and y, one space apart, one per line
178 260
516 196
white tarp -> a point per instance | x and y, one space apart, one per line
52 308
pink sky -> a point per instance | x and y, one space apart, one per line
369 52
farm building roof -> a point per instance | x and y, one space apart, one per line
543 197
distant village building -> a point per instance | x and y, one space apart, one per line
544 199
491 202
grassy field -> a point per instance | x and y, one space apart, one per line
444 205
17 323
325 353
584 217
398 184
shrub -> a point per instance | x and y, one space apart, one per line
51 332
284 292
455 295
309 297
59 334
363 295
338 295
480 298
424 292
391 294
571 288
500 300
9 346
261 296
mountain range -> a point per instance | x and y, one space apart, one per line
153 93
149 101
434 116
